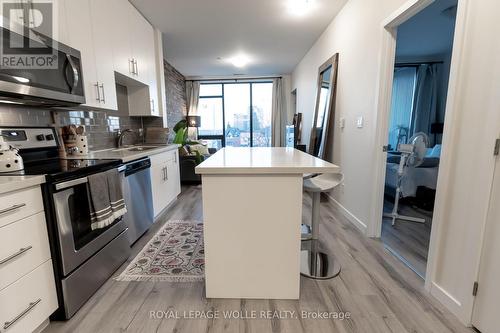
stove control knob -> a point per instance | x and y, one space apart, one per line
49 137
40 137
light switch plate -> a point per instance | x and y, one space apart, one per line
342 122
359 122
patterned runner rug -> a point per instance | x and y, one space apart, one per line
174 254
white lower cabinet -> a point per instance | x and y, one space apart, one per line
165 179
29 301
27 287
27 243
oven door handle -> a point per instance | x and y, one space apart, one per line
71 183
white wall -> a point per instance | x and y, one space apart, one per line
471 128
356 35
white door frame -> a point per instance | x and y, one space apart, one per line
387 62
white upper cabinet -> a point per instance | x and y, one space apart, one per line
60 22
143 46
103 55
79 36
133 41
86 31
118 12
113 36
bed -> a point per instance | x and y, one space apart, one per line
424 175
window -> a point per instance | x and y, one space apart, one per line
403 91
236 114
210 108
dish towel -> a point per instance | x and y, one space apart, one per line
107 203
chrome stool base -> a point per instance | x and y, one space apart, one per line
316 264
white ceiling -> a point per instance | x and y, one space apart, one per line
197 32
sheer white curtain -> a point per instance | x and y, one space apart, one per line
425 108
403 88
279 114
192 97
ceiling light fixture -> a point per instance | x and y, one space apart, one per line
239 60
299 7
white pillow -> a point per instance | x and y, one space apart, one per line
203 150
436 151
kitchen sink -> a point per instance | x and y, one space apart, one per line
141 148
136 148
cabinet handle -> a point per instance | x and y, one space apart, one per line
103 96
153 105
166 173
136 67
10 209
30 307
98 92
14 255
131 69
163 174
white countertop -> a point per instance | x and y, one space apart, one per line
14 183
123 154
239 160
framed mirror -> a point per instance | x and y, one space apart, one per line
324 114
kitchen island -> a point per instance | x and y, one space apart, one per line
252 212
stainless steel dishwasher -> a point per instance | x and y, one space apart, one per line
136 184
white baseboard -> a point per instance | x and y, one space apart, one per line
348 215
42 326
451 303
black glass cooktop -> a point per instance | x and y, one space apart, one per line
57 169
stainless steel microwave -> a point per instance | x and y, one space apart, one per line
39 71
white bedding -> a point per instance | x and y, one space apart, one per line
412 178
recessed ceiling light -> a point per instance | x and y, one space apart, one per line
299 7
240 60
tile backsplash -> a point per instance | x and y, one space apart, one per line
100 126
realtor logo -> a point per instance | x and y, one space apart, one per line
27 39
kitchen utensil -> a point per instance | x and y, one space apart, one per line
82 145
10 160
72 129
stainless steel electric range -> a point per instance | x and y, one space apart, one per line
83 258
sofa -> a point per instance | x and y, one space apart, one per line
188 162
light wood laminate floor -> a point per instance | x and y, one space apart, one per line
379 291
408 240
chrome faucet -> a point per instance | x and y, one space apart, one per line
121 134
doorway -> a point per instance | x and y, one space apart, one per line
414 133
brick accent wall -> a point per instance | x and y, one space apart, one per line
175 86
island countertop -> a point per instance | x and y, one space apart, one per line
264 160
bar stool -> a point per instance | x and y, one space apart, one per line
314 263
